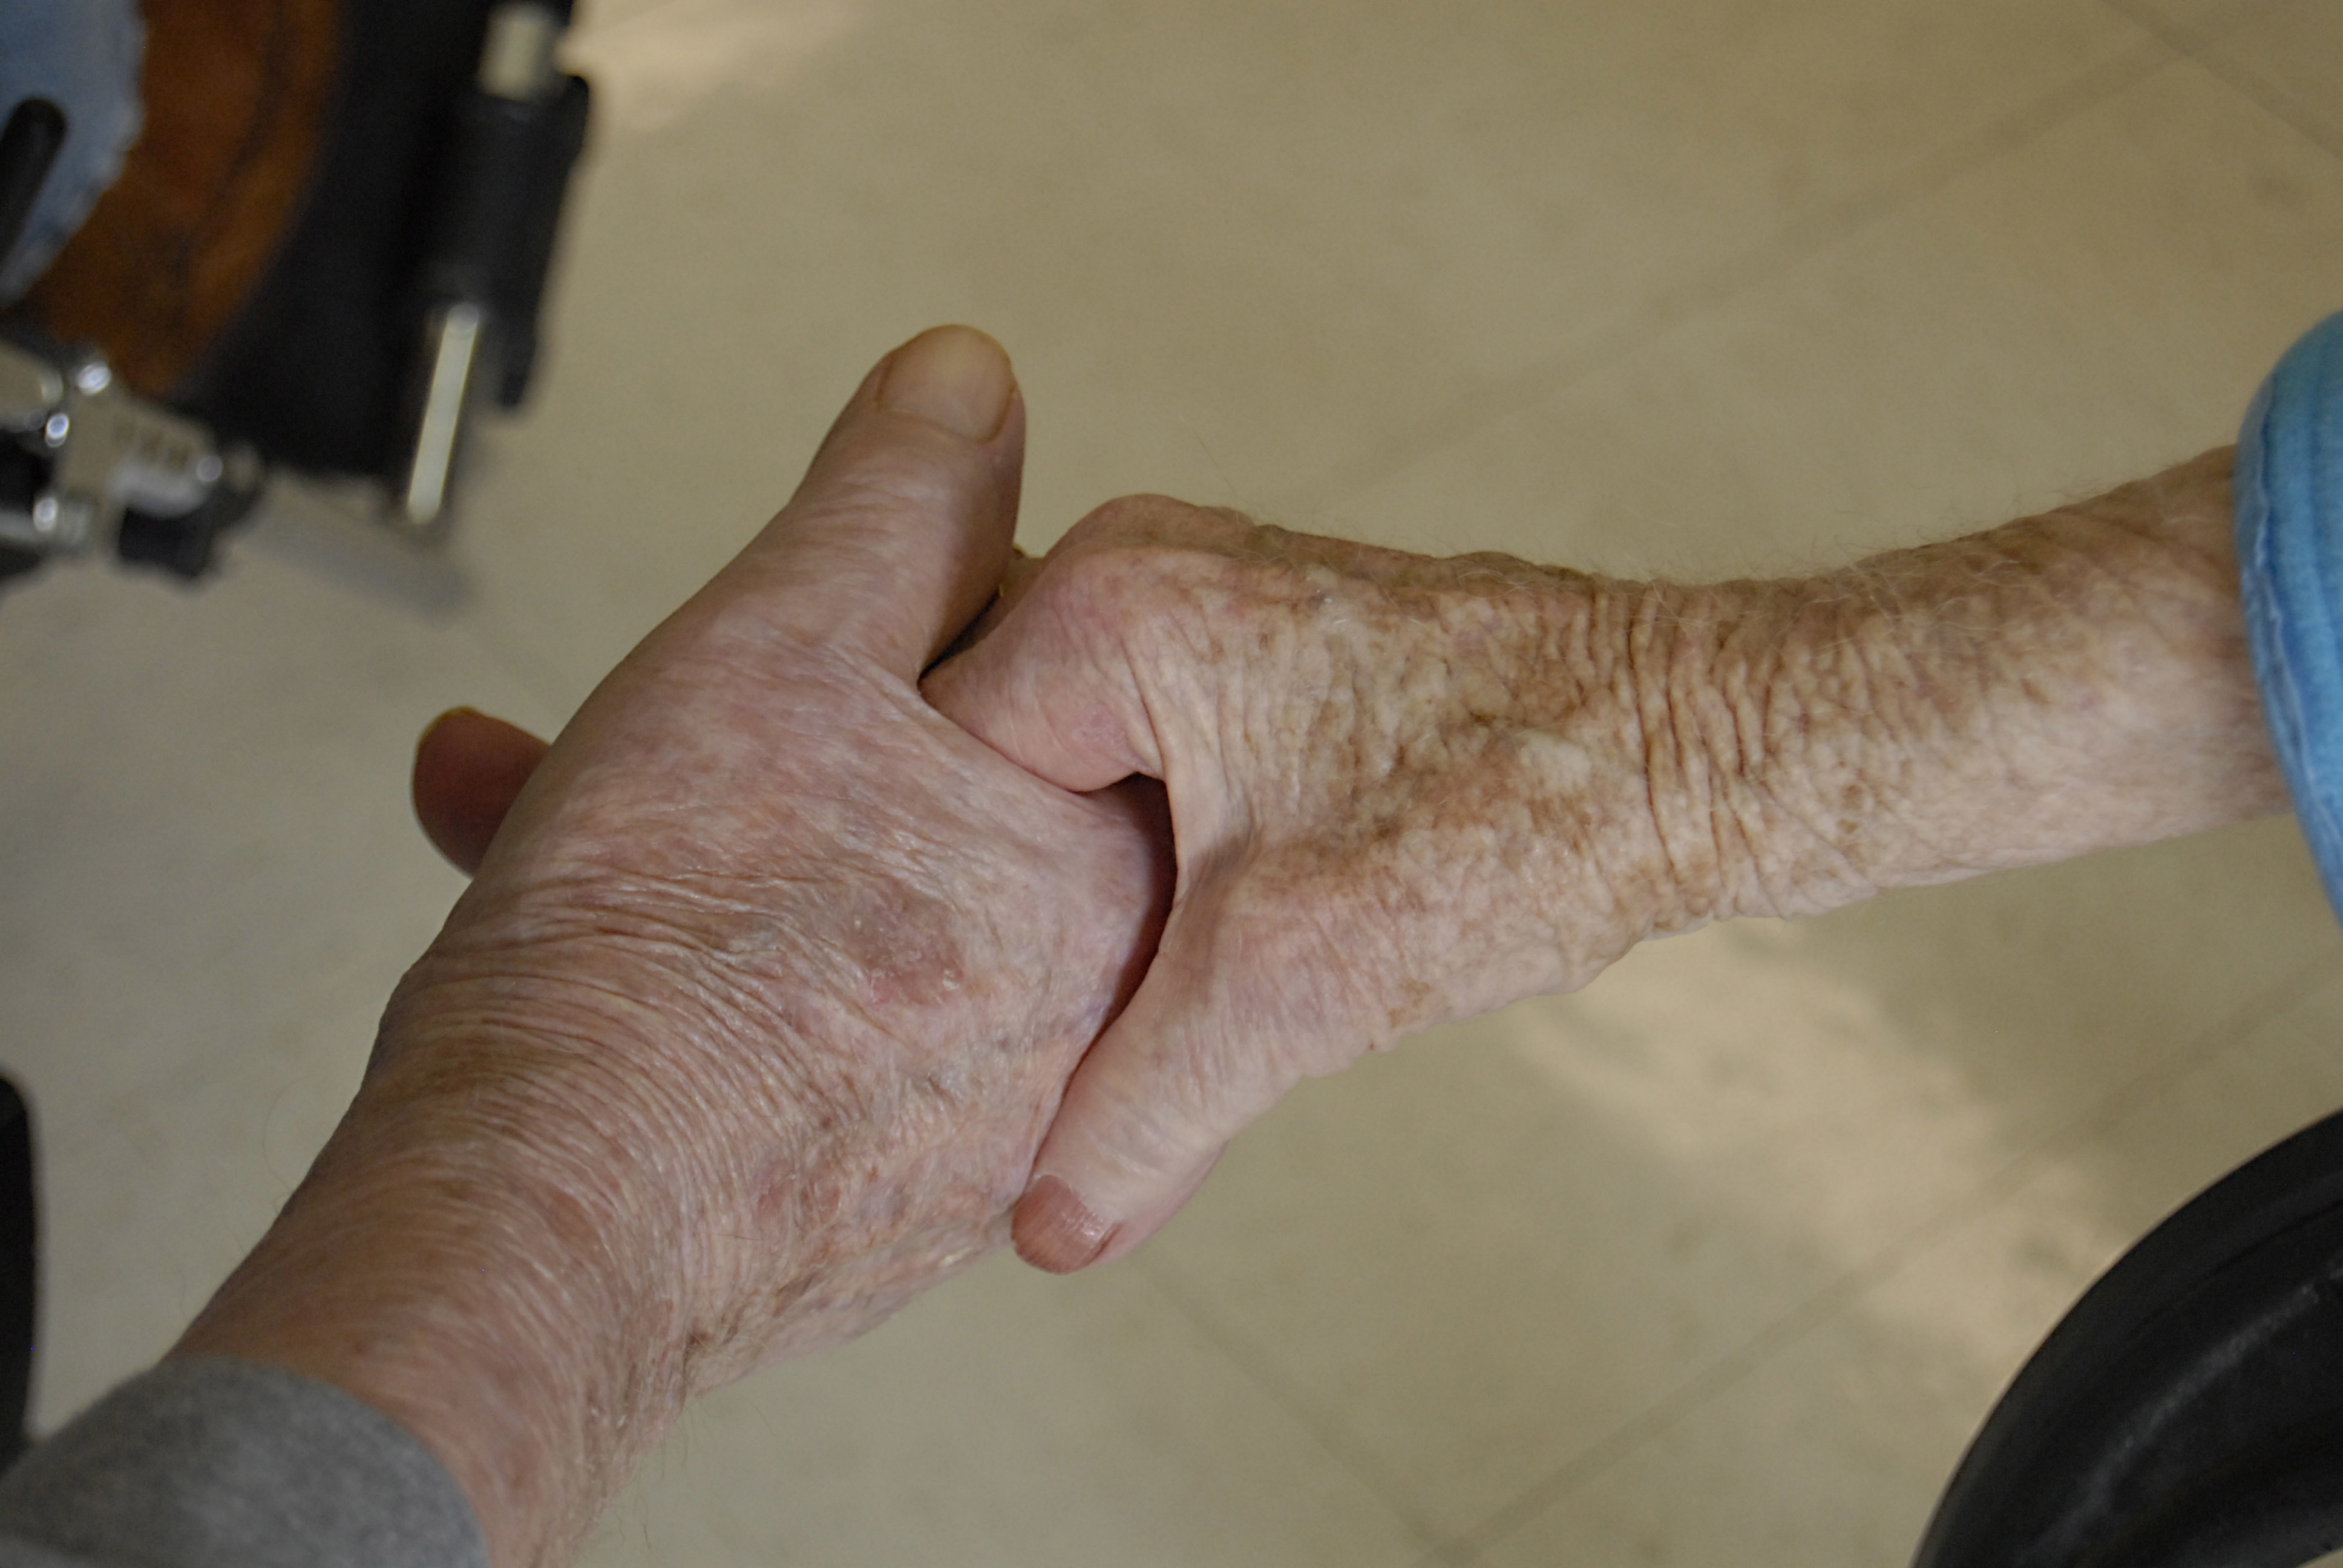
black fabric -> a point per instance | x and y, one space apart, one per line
317 369
19 1268
29 145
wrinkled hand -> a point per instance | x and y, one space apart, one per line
1405 790
1402 790
756 1011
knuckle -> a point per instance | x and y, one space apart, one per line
1130 563
1161 523
1128 519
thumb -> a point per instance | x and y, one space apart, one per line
900 530
1051 693
1215 1035
1195 1055
468 770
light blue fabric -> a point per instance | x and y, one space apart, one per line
2290 495
83 55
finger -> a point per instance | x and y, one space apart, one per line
898 535
1199 1053
1054 697
1053 1230
468 769
1142 1123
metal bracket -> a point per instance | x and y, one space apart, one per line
104 454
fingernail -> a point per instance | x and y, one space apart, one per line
954 376
1055 1230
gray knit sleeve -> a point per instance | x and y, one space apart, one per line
217 1463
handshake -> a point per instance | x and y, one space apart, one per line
900 897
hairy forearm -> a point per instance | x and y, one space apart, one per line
2074 681
1406 790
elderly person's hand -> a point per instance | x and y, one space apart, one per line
1405 790
754 1015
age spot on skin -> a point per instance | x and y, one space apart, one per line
1557 763
903 944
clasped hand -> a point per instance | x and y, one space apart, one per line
794 878
802 959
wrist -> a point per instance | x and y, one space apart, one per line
1611 688
511 1302
2069 682
1700 716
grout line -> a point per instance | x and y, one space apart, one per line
1441 1545
1803 240
2193 45
1639 1432
2180 36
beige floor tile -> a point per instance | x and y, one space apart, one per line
1234 247
2288 59
1832 1453
1008 1419
2091 308
1481 1256
1463 1272
2190 21
1830 1457
213 882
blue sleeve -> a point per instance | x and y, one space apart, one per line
84 57
2289 498
218 1464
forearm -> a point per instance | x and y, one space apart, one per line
506 1303
1406 790
2070 682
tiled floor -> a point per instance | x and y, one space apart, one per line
1717 1263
